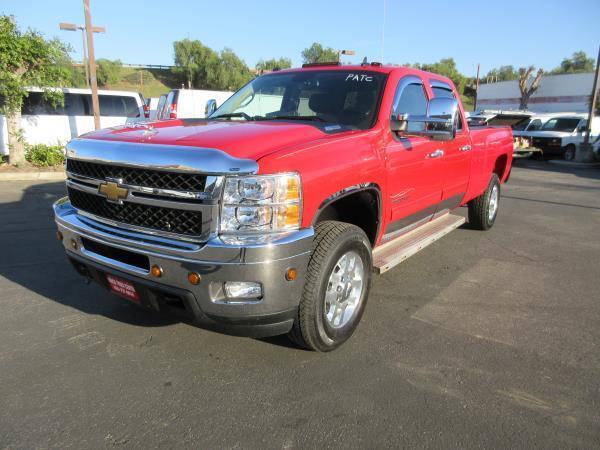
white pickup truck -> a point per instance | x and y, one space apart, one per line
561 133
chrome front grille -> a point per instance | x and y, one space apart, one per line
188 223
133 176
173 204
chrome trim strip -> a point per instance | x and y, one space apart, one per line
172 158
211 191
205 208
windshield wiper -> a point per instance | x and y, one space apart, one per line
314 118
243 115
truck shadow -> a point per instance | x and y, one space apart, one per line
35 260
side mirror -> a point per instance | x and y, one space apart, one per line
211 107
440 122
582 128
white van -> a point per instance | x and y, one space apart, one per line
43 123
561 133
192 103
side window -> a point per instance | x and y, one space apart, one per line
442 92
535 124
131 107
74 105
35 104
412 101
118 106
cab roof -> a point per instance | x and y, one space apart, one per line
371 67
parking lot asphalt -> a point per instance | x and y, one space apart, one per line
484 339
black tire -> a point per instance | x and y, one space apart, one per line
569 154
332 240
479 208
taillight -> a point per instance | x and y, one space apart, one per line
173 111
146 111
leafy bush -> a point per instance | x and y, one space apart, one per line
41 155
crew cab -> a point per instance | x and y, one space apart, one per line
270 216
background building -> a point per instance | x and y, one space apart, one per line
557 93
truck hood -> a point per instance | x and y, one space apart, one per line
251 140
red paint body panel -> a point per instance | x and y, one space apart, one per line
408 180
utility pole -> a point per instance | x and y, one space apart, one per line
344 52
585 152
72 27
476 89
85 58
92 63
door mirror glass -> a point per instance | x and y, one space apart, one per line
211 107
440 122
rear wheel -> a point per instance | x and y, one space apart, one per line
569 154
336 288
484 209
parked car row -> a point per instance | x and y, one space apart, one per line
549 134
46 123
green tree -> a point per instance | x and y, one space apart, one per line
233 73
577 63
271 64
447 68
503 73
108 72
317 53
26 59
186 54
197 62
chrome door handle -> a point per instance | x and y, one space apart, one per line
465 148
436 154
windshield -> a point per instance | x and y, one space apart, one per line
561 125
346 98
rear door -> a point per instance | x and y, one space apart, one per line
414 164
456 159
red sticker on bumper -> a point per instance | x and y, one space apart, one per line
123 288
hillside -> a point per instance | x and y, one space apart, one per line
150 82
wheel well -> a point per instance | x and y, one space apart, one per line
500 166
359 208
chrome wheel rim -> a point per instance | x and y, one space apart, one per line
344 289
493 203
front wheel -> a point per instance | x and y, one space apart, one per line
336 288
484 209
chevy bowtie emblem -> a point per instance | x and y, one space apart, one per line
113 192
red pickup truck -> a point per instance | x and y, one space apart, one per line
270 216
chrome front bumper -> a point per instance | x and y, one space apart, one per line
215 260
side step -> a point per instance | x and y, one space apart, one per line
397 250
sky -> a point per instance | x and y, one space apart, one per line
520 33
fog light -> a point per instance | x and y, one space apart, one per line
59 235
291 274
194 278
243 289
156 271
74 244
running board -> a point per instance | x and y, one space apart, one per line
392 253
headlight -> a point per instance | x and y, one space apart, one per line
261 203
